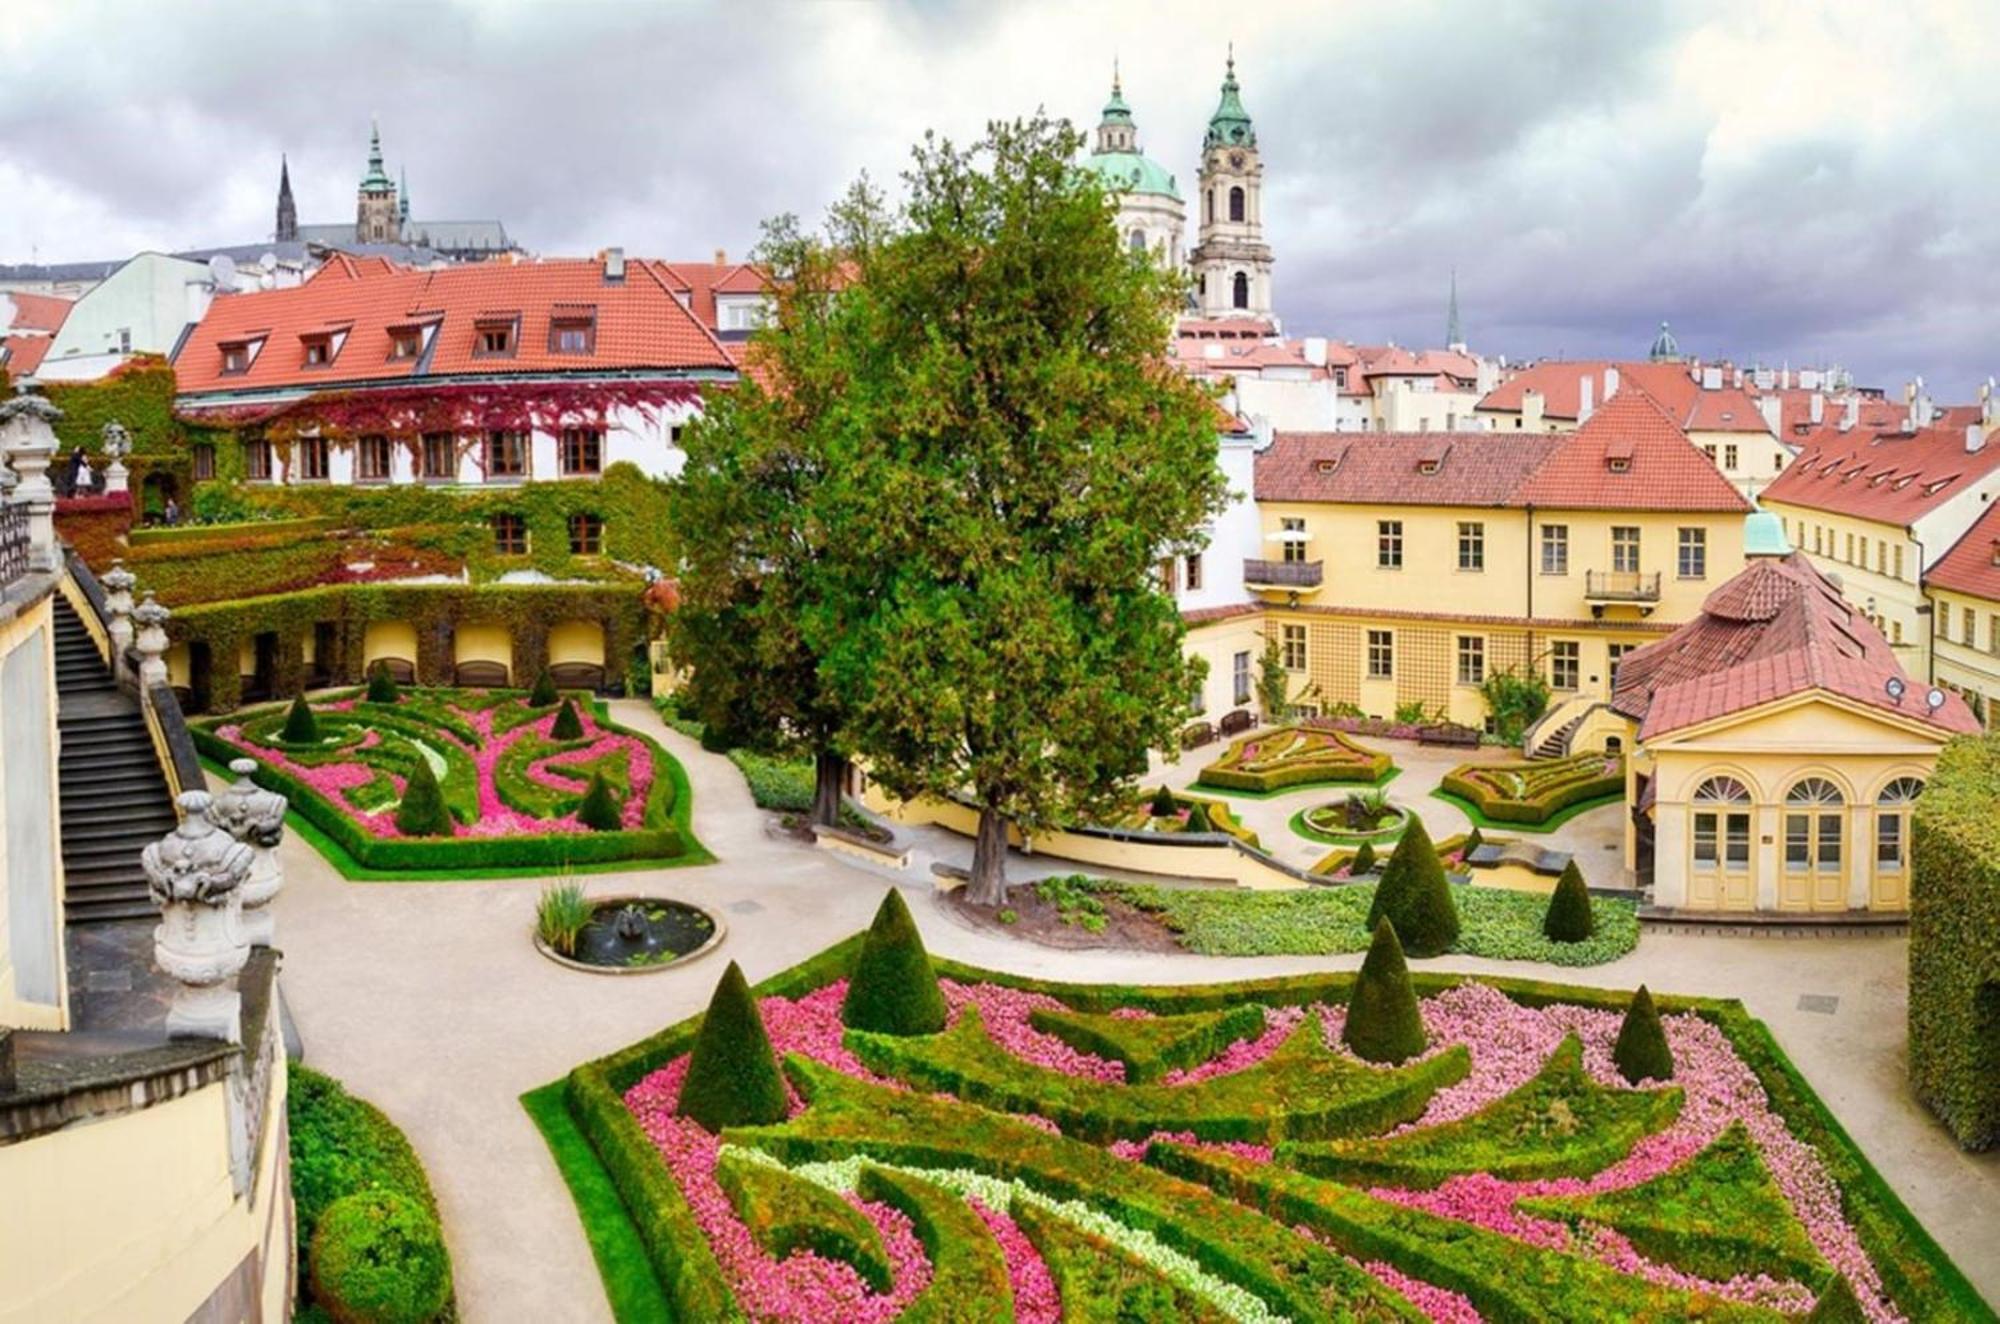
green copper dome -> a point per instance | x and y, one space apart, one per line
1230 125
1764 535
1665 349
1130 172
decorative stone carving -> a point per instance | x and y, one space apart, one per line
255 817
118 582
152 619
116 444
27 435
196 874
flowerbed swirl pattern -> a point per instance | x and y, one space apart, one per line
511 784
1197 1223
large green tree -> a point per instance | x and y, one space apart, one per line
1021 457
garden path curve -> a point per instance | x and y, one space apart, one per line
428 999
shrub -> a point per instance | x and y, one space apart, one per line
382 685
1568 918
1955 942
1516 700
567 726
1533 792
544 693
561 914
1197 819
893 989
422 812
1163 803
1383 1024
732 1076
786 1214
1415 897
378 1257
1363 861
301 727
1641 1052
600 811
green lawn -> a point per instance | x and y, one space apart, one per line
629 1283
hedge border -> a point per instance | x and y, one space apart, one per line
1916 1272
1480 820
1308 771
1541 814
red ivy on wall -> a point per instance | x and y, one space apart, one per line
412 411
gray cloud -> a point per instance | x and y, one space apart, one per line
1784 182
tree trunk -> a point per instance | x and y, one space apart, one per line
829 782
988 886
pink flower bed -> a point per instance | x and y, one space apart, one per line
334 779
1508 1044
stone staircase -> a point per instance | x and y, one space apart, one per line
1555 744
114 796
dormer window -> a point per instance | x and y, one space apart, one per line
1427 466
405 342
495 336
238 355
573 331
1618 464
319 350
1996 551
1327 466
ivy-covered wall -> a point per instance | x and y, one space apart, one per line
1955 942
529 611
140 395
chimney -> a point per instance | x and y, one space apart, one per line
1531 411
1785 378
614 264
1852 417
1610 381
1739 379
1315 351
1816 408
1584 407
721 257
1711 379
1772 408
1975 438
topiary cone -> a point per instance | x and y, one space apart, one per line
1473 841
1198 820
1383 1024
600 811
567 726
422 812
1641 1052
382 685
1414 896
893 989
544 693
732 1077
301 727
1363 863
1163 803
1568 918
1837 1304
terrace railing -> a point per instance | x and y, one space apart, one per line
1621 585
14 544
1283 574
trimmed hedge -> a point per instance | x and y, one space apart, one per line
378 1257
1155 1045
894 990
1641 1052
1293 756
732 1073
1383 1023
1559 1124
1103 1283
969 1280
1955 942
1533 792
1569 917
1414 896
1303 1090
786 1214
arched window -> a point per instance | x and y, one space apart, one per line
1814 812
1242 299
1722 830
1892 823
1208 206
1136 241
1236 204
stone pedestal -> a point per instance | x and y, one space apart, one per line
196 875
118 582
256 818
151 618
27 435
116 444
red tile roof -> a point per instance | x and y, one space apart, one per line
24 353
637 324
1227 612
1888 477
1730 409
1629 456
1389 468
1972 566
1778 629
35 312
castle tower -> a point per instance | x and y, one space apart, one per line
375 217
1231 261
1151 216
288 212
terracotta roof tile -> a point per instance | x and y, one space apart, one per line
35 312
1972 566
1387 468
24 353
1888 477
1629 456
1778 629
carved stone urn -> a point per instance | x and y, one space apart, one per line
255 817
196 874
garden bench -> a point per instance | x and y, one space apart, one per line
400 669
481 675
1448 733
1238 720
1197 735
577 676
1525 853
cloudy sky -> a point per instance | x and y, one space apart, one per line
1784 181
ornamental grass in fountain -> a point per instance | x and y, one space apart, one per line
439 779
1533 793
1294 756
1012 1166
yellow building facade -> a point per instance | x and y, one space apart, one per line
34 983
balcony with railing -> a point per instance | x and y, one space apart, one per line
1283 576
1621 586
14 543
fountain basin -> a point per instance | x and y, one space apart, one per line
637 935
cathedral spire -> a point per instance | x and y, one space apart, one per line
1230 125
1116 131
288 212
376 180
403 195
1454 334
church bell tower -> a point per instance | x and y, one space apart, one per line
376 220
1231 261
